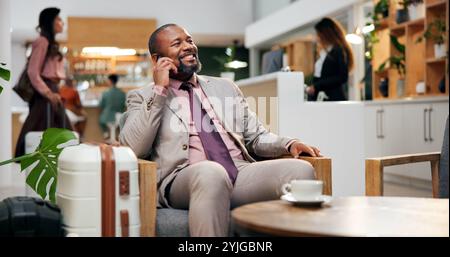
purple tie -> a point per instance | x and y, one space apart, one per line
215 148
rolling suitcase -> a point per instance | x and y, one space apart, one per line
98 190
32 140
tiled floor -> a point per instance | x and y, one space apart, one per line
393 189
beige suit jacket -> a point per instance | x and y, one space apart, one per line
154 128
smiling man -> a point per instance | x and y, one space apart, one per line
183 123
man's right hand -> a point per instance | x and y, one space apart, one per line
161 71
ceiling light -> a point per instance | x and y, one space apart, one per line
107 51
368 28
236 64
354 39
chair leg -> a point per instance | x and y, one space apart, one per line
148 192
435 178
374 178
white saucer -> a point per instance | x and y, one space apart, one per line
307 201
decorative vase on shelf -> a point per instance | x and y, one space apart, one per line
384 87
439 51
420 88
416 11
402 16
441 86
400 88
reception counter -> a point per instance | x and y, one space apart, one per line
93 132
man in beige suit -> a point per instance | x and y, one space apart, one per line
201 133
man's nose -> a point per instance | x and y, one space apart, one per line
188 47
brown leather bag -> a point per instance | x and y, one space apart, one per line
23 87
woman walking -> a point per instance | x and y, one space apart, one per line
45 70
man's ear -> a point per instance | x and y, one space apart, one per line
155 58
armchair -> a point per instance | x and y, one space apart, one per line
439 169
154 222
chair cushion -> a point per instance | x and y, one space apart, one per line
172 223
443 166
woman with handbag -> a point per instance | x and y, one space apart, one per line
45 70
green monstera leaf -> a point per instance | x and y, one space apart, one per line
43 162
4 74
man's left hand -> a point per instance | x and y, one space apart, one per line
298 148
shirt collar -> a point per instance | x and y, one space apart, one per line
175 84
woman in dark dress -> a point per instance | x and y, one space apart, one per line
334 63
45 70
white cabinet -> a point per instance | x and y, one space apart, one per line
405 128
437 118
383 129
424 126
415 120
373 137
391 129
420 130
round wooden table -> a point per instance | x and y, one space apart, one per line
348 216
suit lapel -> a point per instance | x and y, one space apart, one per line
174 107
211 92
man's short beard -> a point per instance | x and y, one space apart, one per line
185 72
189 69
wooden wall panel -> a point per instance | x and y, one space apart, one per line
122 33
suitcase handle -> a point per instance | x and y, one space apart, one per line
49 114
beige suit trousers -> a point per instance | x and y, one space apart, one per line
206 191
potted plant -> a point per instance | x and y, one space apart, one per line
380 11
397 62
402 13
436 32
416 9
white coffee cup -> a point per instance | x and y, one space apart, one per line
303 189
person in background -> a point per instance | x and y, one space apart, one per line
335 62
112 102
45 70
74 109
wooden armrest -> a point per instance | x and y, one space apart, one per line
375 167
148 194
322 167
407 158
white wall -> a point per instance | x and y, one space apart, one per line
263 8
291 18
17 65
5 110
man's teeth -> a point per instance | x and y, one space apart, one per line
189 56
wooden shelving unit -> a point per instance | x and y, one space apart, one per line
90 67
436 69
420 62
